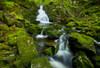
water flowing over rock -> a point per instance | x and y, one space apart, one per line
42 17
63 58
63 53
44 20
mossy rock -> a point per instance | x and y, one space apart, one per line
57 26
97 36
54 34
47 51
2 64
18 64
34 29
96 60
10 58
69 19
82 61
48 28
4 52
3 27
27 49
11 18
82 41
42 62
71 24
4 47
14 34
54 46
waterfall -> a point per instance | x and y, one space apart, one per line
44 20
42 17
63 58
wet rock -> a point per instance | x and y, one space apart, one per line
34 29
42 62
82 61
47 51
54 34
82 41
96 60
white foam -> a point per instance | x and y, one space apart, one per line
56 64
39 36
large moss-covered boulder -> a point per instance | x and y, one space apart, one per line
15 33
42 62
82 41
82 61
27 49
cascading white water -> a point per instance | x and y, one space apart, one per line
42 17
44 20
63 58
41 36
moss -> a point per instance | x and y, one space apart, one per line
4 27
11 18
70 24
54 34
69 19
48 28
42 62
1 58
3 46
96 60
9 4
82 61
97 36
34 29
18 64
1 16
4 52
2 64
14 34
47 51
26 49
10 58
17 16
54 46
85 41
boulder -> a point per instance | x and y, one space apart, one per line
42 62
82 41
27 49
82 61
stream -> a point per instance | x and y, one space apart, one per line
63 58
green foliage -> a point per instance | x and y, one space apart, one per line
41 2
9 4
